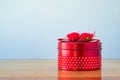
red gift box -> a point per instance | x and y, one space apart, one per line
79 55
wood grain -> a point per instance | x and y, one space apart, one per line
48 69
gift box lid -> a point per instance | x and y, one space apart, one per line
91 45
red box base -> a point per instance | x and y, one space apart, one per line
79 63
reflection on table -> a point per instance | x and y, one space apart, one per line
79 75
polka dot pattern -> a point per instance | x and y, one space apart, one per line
79 63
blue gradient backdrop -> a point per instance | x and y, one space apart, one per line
29 28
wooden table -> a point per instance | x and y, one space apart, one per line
47 70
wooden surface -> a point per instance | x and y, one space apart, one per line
33 69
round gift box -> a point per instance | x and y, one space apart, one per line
79 55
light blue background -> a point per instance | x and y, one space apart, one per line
29 28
